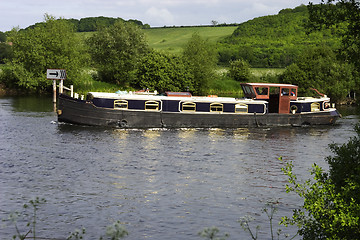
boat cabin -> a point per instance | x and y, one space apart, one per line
278 95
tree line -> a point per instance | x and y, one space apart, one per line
119 53
315 53
276 40
92 24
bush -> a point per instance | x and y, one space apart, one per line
5 52
319 68
331 208
162 72
240 70
201 60
116 51
52 44
15 76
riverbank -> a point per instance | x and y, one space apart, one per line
9 92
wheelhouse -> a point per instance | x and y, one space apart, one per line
278 95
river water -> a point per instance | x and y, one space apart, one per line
161 184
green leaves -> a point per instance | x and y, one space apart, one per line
116 51
52 44
201 59
240 70
212 233
163 72
331 208
319 68
335 14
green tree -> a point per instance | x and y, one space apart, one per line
343 17
201 59
240 70
2 37
117 51
319 68
331 208
274 41
162 72
5 52
53 44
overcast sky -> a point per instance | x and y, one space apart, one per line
23 13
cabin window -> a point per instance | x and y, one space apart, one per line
121 104
274 90
261 90
248 90
188 107
315 107
241 108
151 105
216 107
293 92
285 92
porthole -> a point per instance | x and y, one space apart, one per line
216 107
241 108
188 107
293 109
315 107
151 106
120 104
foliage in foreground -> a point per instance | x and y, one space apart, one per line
114 232
331 208
270 209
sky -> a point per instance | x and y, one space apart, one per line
156 13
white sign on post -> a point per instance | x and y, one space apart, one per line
56 74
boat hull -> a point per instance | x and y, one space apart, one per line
76 111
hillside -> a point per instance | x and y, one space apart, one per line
269 41
276 40
173 39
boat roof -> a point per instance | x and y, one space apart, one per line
159 97
270 85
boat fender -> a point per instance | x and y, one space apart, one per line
123 123
293 109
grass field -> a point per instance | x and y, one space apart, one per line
174 39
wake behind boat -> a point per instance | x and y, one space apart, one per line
265 104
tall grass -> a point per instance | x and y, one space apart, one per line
261 72
87 83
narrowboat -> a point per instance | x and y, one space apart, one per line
264 105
